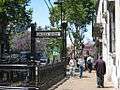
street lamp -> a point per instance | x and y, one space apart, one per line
32 62
63 27
59 2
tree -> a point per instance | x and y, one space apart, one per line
13 15
78 13
55 16
21 41
14 12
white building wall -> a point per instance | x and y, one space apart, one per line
99 13
107 56
113 64
105 38
111 69
100 19
117 33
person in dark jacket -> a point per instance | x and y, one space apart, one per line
85 60
100 67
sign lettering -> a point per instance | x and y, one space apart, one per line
48 33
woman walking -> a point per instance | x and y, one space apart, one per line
81 66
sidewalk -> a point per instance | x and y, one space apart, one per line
86 83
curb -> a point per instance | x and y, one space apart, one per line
58 84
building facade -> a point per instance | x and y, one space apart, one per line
108 25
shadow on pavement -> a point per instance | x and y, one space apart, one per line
85 77
108 87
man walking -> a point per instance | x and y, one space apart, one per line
100 67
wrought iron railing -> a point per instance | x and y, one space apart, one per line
31 76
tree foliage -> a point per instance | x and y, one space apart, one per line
14 12
55 16
22 42
14 16
78 13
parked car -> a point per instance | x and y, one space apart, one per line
5 59
24 57
14 58
41 57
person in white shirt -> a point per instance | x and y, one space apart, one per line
81 66
72 66
89 63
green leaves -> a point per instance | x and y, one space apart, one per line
14 17
78 14
55 16
79 11
14 12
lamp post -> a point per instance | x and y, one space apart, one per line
63 27
59 2
33 33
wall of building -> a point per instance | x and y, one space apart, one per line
117 33
109 43
99 12
102 8
111 53
110 56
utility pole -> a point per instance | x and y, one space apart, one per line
63 28
33 34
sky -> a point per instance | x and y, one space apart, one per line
40 12
41 17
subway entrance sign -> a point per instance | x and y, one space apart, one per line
43 34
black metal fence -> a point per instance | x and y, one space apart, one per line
14 72
50 75
31 76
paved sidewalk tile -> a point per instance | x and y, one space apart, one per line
88 82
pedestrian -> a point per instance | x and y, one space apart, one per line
76 59
81 66
85 60
72 66
100 67
89 64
